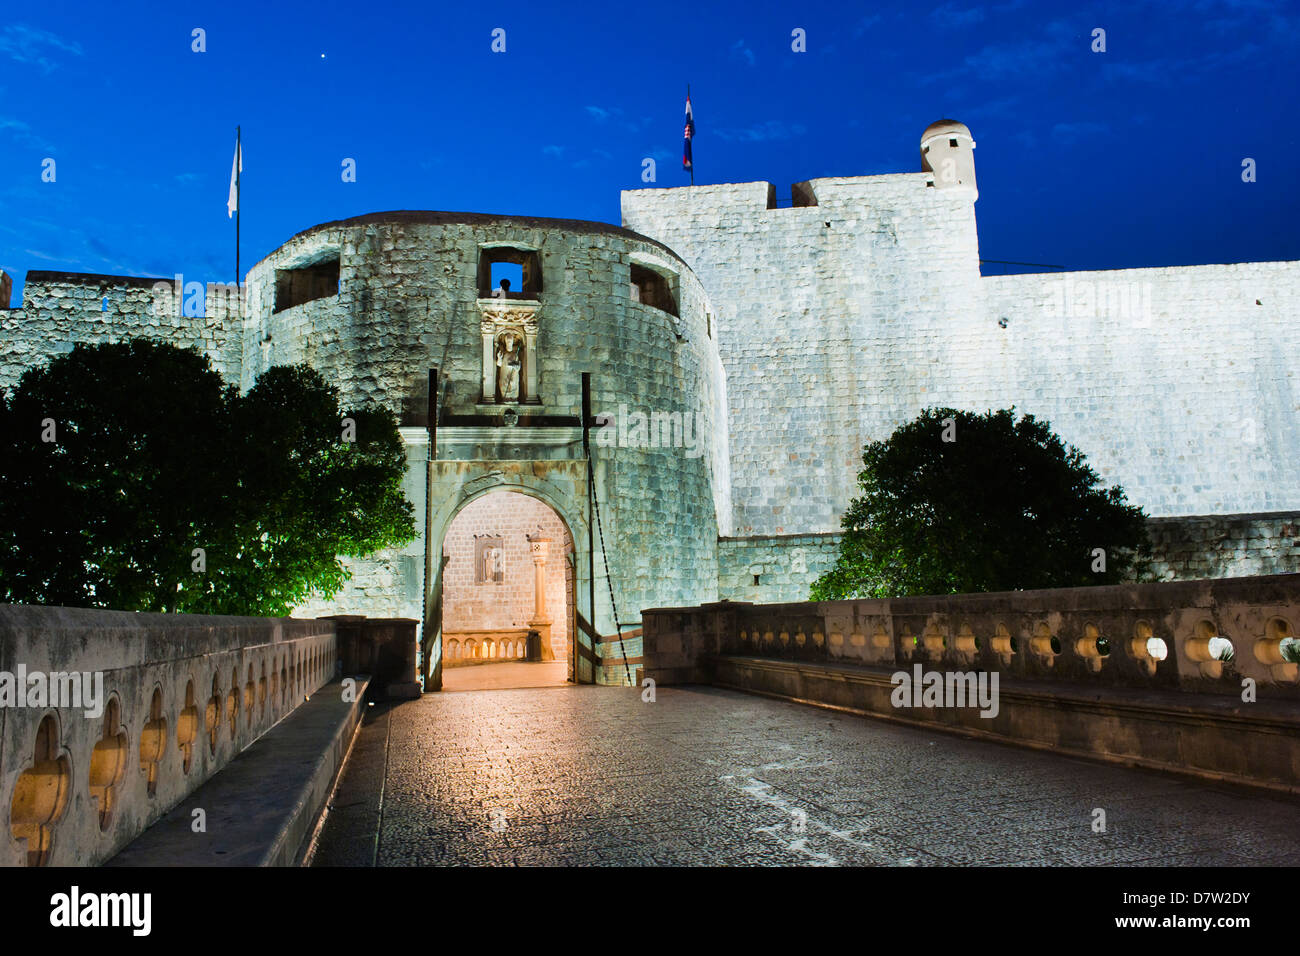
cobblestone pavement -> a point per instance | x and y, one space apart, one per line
594 776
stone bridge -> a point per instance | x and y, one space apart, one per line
756 734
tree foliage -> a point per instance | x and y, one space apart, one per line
165 490
1002 505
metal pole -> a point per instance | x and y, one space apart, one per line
591 493
239 208
688 99
433 674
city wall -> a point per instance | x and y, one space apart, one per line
840 320
63 309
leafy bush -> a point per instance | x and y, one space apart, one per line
955 502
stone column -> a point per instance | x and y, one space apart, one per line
489 367
529 390
539 548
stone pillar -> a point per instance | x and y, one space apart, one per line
7 290
529 389
489 367
539 548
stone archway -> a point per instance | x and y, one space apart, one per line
507 568
559 484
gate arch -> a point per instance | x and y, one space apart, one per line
561 485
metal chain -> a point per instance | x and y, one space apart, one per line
609 578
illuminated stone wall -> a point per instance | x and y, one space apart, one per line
63 309
839 321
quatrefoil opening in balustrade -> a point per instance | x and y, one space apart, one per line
41 793
153 742
108 763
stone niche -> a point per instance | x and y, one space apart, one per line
509 328
489 559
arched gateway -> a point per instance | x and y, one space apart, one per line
402 309
507 573
509 565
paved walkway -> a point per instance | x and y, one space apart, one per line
594 776
506 675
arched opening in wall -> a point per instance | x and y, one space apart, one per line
508 570
653 288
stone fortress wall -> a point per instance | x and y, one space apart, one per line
778 569
841 321
829 318
62 309
844 315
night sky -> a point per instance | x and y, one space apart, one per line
1125 158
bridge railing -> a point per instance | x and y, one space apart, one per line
108 719
1203 636
1190 677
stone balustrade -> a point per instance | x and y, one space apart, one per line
1193 677
1139 635
167 701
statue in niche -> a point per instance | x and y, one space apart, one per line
491 561
510 356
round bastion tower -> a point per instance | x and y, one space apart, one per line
947 150
506 317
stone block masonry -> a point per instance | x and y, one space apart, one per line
1225 546
830 318
1183 549
62 309
775 568
841 320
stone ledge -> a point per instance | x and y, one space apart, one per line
1221 739
264 806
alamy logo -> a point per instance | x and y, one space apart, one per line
656 429
946 689
1094 298
70 690
181 299
74 908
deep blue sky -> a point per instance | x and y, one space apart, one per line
1090 160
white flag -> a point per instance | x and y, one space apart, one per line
236 166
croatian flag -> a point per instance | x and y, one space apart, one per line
690 133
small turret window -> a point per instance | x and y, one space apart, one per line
315 280
651 288
520 268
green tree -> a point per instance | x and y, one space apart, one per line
133 478
955 502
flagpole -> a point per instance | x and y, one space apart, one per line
688 99
239 208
